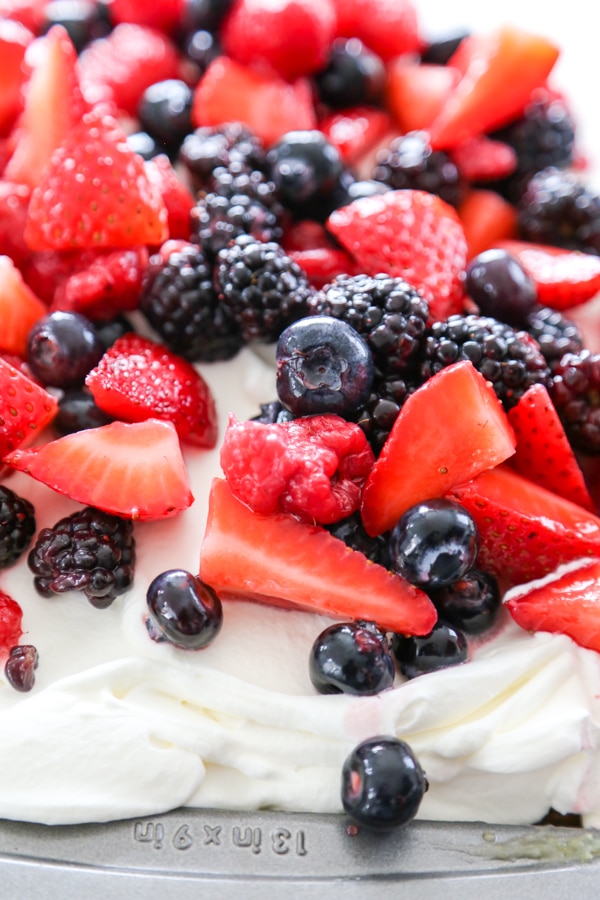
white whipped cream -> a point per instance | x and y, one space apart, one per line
118 725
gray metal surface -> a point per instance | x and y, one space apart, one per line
205 853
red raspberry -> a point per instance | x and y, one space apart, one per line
10 623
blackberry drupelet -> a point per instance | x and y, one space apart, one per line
352 532
261 288
509 359
559 208
410 162
179 300
575 392
555 333
17 526
210 147
388 395
90 551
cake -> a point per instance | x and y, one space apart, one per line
119 725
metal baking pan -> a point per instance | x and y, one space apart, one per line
214 854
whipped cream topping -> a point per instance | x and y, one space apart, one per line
119 725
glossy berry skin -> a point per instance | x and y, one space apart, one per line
165 112
144 145
77 410
351 658
323 366
62 348
353 75
472 603
382 784
500 287
20 667
434 543
444 646
187 611
304 165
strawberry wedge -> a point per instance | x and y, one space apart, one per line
311 570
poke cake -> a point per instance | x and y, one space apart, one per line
299 419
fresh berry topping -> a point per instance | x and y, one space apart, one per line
165 113
20 667
407 234
563 278
230 146
17 526
437 447
202 47
555 334
262 289
111 467
481 159
176 195
353 76
62 348
306 167
510 360
444 646
138 379
575 393
14 40
416 92
323 365
471 604
559 208
487 219
410 162
382 784
439 50
313 467
184 609
433 543
20 309
352 532
163 15
500 287
312 570
179 300
25 408
273 413
357 132
351 658
389 28
89 551
204 14
11 616
77 410
83 20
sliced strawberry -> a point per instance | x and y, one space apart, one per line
131 470
231 92
14 40
14 202
543 452
563 278
308 244
525 530
102 284
450 429
417 93
482 159
281 561
487 220
26 408
177 198
11 616
566 603
138 379
356 131
499 71
101 198
163 15
388 27
411 234
19 309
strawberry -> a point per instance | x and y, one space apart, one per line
138 379
14 202
499 71
14 40
292 37
388 27
525 530
565 603
313 467
309 245
101 284
163 15
482 159
29 13
449 430
310 570
410 234
53 104
543 452
11 616
19 309
563 278
75 205
231 92
26 408
131 470
416 92
177 198
355 132
487 220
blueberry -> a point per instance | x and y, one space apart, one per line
82 20
204 14
351 658
500 287
185 609
202 47
323 366
77 411
304 165
382 784
354 75
62 348
443 647
144 145
434 543
472 603
165 112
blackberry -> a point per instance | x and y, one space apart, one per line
261 288
179 300
509 359
381 410
410 162
208 148
352 532
555 334
90 551
353 76
17 526
558 208
575 392
273 413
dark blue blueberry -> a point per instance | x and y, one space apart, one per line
62 347
443 647
352 532
83 20
144 145
472 603
202 47
304 165
165 113
77 411
204 14
273 413
111 329
187 611
382 784
353 76
500 287
351 658
323 366
434 543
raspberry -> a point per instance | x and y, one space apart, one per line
312 467
10 623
